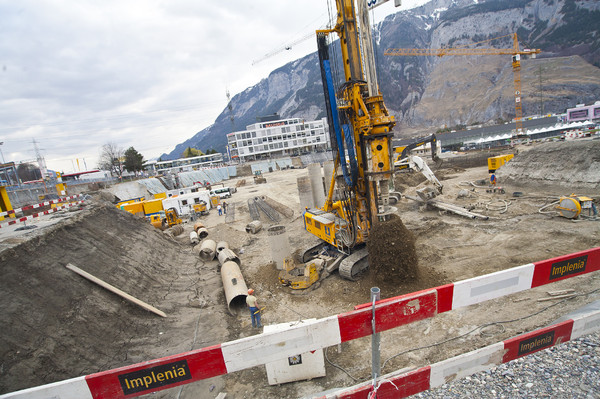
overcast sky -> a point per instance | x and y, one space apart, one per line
77 74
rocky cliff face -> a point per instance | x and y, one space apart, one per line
426 93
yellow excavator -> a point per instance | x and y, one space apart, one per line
361 137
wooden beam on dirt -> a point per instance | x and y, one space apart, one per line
115 290
556 297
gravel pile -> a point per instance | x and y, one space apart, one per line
570 370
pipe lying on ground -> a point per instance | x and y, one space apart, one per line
200 230
175 230
234 286
207 250
221 245
193 237
227 255
254 227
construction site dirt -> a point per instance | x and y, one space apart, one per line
57 325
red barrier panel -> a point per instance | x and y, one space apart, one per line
158 374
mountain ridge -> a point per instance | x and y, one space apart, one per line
428 93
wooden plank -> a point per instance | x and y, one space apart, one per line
115 290
556 297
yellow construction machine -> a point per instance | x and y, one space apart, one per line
403 152
299 278
163 221
201 209
361 138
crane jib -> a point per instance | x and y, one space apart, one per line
351 177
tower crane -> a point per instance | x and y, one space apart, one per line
514 52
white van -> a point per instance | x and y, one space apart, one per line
223 192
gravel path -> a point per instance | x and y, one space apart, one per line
570 370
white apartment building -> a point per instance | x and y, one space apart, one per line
284 137
183 164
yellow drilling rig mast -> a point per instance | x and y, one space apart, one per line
514 52
361 130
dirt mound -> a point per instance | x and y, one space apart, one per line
57 325
572 164
392 250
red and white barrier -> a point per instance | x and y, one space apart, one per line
403 384
307 336
56 201
47 212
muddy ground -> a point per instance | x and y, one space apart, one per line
56 325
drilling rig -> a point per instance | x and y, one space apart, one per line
361 137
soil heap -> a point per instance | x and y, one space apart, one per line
392 253
57 325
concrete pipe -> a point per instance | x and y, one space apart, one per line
254 227
328 167
280 245
193 237
316 182
196 249
234 286
227 255
197 226
221 245
208 250
202 233
305 193
175 230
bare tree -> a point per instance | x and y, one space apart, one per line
111 159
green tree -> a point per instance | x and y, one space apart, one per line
134 161
191 152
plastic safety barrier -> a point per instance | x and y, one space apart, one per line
47 212
187 367
35 206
